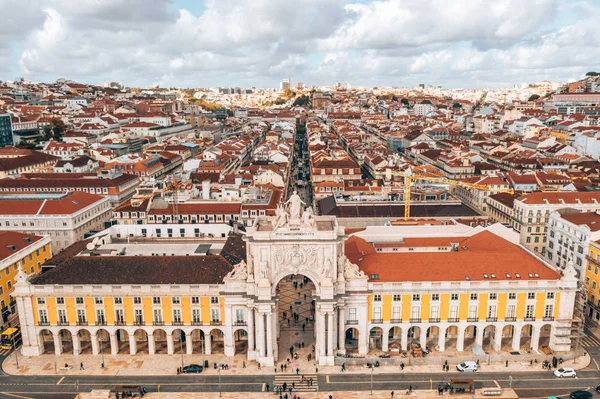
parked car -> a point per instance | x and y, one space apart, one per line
565 372
192 368
581 395
467 366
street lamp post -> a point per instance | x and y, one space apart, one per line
372 367
102 350
181 349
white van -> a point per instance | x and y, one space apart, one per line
467 366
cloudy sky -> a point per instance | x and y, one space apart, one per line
194 43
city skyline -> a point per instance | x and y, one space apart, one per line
232 43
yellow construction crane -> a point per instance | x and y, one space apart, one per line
409 178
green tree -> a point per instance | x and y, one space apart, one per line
425 102
405 101
533 97
592 74
301 101
457 105
55 129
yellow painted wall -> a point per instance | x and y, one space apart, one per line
463 310
540 305
205 303
502 302
128 310
521 298
425 306
222 312
186 310
71 312
148 314
370 307
556 304
167 309
386 311
109 310
444 306
406 306
483 308
90 311
36 316
52 313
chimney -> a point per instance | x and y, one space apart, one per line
206 189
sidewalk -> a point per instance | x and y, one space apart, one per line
506 394
144 364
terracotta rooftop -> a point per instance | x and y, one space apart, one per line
12 242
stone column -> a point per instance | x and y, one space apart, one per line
114 344
151 347
207 344
260 334
329 334
76 344
404 339
385 338
479 337
460 340
497 344
132 344
442 340
423 337
535 338
189 345
341 330
95 344
516 342
170 343
58 347
321 336
269 335
251 345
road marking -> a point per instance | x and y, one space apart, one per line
497 385
263 388
550 388
59 381
596 363
327 379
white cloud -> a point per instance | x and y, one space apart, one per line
257 42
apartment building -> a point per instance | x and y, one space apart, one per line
64 217
17 250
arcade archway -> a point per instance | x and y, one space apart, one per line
295 317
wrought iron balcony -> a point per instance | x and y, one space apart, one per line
434 319
351 321
512 318
491 319
415 319
396 320
240 323
472 319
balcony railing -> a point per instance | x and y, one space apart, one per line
240 323
158 323
396 320
119 322
63 323
549 318
377 321
453 319
43 323
529 319
491 319
472 319
177 323
82 323
511 318
434 319
101 323
351 321
139 322
215 322
415 319
196 323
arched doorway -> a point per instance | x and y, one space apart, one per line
103 341
141 341
395 340
240 341
66 339
47 342
450 337
85 342
489 334
433 337
508 333
375 338
198 341
545 334
295 316
160 342
216 341
470 336
526 333
122 341
352 335
179 343
414 336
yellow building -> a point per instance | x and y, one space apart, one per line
382 289
592 281
562 136
26 251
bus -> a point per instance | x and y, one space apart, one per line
10 337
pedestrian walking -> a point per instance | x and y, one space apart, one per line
244 364
297 371
303 326
392 394
267 387
401 365
81 366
